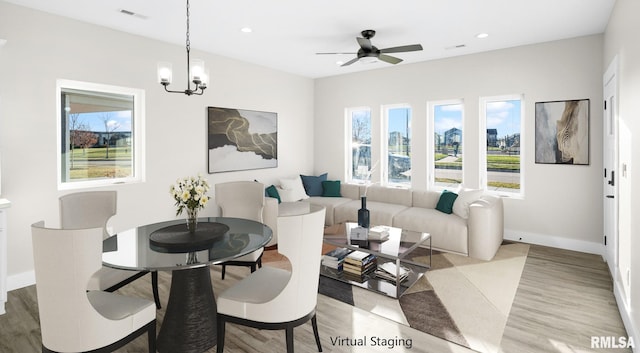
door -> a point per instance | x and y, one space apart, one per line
610 152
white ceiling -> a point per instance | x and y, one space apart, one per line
287 34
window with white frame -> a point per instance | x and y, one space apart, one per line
100 134
397 145
447 154
501 129
359 145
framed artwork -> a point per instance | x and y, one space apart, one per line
562 132
241 139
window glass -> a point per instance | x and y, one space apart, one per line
99 128
448 149
359 155
503 118
398 145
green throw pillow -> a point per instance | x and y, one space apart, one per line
445 204
271 191
331 188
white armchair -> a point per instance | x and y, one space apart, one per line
92 209
272 298
242 199
73 319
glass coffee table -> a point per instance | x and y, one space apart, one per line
391 253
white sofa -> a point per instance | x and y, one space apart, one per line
478 236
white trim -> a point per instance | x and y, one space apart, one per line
555 241
632 331
384 141
21 280
430 139
137 133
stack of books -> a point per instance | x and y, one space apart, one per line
388 271
358 264
379 233
334 259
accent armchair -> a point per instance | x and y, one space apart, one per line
73 319
91 209
242 199
273 298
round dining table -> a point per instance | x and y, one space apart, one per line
189 323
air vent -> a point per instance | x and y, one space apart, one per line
459 46
131 13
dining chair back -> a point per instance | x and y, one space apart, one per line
274 298
242 199
92 209
73 319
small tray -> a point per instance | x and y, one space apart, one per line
177 239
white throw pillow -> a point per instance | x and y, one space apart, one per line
465 198
293 190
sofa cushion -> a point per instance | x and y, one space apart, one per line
292 190
381 213
391 195
425 198
445 203
330 188
448 231
313 184
272 191
465 198
330 203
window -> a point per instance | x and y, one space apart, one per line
100 134
398 145
446 169
502 169
359 144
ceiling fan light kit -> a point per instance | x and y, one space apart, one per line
368 53
196 71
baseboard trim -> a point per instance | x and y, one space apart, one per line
555 242
21 280
632 330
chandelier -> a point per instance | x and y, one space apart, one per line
195 71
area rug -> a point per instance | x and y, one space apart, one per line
463 300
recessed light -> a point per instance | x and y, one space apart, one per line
482 35
131 13
246 30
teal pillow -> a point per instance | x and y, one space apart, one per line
445 204
313 184
331 188
271 191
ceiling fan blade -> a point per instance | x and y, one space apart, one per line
340 53
350 62
401 49
390 59
365 43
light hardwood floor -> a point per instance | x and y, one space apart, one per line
563 299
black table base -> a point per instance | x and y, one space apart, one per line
189 323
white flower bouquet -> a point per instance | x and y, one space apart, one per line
190 193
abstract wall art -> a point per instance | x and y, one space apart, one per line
241 139
562 132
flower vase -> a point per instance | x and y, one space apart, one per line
192 220
363 213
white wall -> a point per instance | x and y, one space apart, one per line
562 204
621 40
41 48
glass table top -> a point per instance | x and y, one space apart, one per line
399 243
134 249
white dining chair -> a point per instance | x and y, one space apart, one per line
242 199
73 319
90 209
273 298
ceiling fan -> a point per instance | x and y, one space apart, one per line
369 51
